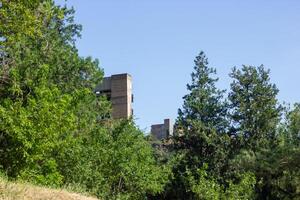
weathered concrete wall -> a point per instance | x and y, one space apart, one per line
162 131
119 89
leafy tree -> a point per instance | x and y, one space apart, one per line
49 49
46 93
49 130
276 170
206 187
115 163
31 134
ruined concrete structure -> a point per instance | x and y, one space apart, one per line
162 131
118 89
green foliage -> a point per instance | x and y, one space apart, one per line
205 187
258 149
293 126
244 189
30 134
204 102
202 122
255 111
277 171
263 146
48 56
50 132
46 93
200 130
201 145
116 163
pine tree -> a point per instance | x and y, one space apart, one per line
255 110
293 129
204 103
256 115
200 129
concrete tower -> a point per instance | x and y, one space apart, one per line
118 89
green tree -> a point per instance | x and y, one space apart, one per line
255 110
277 171
202 120
293 125
32 134
200 130
46 93
115 163
204 102
206 187
49 128
262 145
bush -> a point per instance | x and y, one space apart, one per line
115 163
205 187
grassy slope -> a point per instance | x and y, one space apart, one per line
12 191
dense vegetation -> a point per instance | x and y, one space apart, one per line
244 146
240 144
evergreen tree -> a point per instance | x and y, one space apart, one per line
200 129
261 145
255 110
293 126
204 103
202 121
276 170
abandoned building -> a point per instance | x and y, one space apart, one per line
162 131
118 89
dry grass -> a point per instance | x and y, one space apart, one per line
14 191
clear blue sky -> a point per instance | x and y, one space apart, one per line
156 42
